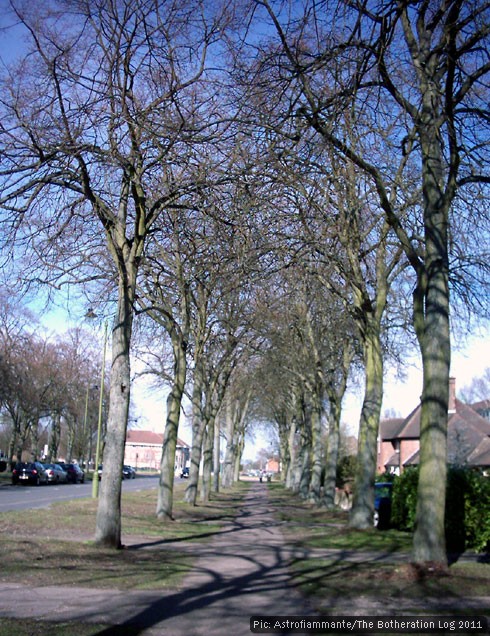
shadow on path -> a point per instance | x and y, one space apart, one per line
242 572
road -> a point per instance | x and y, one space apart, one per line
31 497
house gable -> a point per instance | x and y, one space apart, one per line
468 437
143 450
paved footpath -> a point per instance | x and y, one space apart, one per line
242 572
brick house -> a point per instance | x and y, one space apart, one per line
272 466
143 450
468 437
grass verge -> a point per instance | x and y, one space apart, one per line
343 562
55 546
25 627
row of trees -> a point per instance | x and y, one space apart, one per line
270 188
49 394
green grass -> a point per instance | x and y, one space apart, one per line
58 542
326 575
26 627
337 577
310 526
70 563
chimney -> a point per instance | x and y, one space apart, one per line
451 407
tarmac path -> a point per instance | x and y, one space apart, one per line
244 571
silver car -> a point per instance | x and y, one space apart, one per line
56 475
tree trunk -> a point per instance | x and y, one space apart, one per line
335 388
284 447
230 453
290 467
315 486
216 456
304 456
234 435
238 458
332 456
207 461
198 429
54 438
305 471
165 495
431 319
429 538
108 520
362 512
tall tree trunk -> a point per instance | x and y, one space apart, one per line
198 429
362 512
332 455
71 440
335 388
431 319
236 413
429 538
207 464
290 468
284 447
238 459
315 486
230 453
216 456
108 520
165 495
305 471
54 438
304 457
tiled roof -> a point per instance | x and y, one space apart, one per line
466 429
389 428
148 438
481 406
468 435
413 460
481 455
411 425
394 460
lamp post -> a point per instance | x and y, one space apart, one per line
95 477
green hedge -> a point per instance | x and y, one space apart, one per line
467 518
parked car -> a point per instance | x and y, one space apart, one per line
128 472
382 504
29 473
185 473
56 475
74 472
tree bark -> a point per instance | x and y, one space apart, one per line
108 519
362 511
165 495
431 320
314 495
216 456
332 456
198 429
207 460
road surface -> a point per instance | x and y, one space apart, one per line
31 497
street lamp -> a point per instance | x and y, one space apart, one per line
95 477
86 453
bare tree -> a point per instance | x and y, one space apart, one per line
100 122
414 80
478 390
